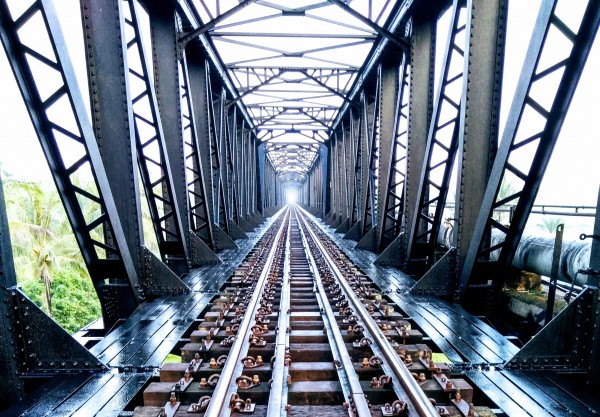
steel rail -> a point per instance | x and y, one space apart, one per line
417 396
226 385
377 351
279 388
350 381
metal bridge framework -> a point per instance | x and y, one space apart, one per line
377 167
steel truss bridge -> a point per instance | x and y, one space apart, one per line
215 113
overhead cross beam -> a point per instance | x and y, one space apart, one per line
186 38
403 43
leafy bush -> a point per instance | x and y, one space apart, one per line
74 301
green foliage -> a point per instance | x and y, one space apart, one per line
48 262
549 224
73 299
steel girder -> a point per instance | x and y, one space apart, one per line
480 121
11 385
335 175
372 118
445 133
273 191
228 128
91 209
240 134
385 128
260 173
547 116
201 99
420 109
170 79
394 161
253 185
312 191
362 166
218 171
339 178
151 147
477 137
110 86
355 142
200 221
347 165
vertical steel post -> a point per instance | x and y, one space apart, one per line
11 386
201 94
199 213
444 135
480 118
167 84
386 131
564 74
112 121
420 110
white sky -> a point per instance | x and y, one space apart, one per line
572 177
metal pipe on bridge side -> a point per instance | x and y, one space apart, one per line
534 254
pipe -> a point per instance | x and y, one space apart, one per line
534 254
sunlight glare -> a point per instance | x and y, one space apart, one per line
291 196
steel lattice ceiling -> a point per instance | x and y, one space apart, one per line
293 64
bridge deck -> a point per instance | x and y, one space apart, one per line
535 393
462 337
468 341
139 346
141 343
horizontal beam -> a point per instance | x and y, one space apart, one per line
292 35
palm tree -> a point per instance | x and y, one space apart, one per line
549 224
41 234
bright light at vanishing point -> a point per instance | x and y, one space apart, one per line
291 196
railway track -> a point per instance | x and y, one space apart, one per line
298 330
